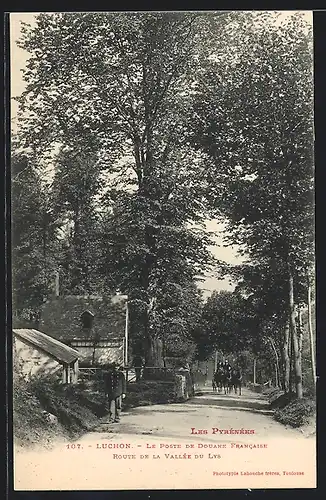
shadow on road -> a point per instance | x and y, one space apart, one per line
194 406
173 408
240 408
230 401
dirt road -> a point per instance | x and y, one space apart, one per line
211 441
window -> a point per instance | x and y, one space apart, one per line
87 318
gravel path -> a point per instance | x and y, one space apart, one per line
211 441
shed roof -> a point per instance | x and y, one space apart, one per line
61 352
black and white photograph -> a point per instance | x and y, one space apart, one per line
163 250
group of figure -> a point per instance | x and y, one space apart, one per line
227 379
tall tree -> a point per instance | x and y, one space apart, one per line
121 85
256 122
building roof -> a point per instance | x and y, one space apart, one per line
88 312
61 317
56 349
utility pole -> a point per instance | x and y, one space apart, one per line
57 284
126 340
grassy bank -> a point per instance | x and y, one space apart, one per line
45 411
288 410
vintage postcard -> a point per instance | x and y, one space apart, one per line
163 260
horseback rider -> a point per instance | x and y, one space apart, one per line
218 376
226 365
237 380
227 370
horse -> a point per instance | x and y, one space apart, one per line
217 380
221 379
236 380
228 380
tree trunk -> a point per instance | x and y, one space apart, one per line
276 363
286 357
282 370
276 376
311 336
296 353
291 362
300 334
255 361
164 351
143 155
300 331
153 358
153 344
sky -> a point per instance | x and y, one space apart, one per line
18 58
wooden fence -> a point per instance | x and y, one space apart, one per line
95 373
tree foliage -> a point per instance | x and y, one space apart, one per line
163 120
228 322
256 123
116 89
33 238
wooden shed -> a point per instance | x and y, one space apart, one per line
41 354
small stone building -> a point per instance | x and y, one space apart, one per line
40 355
93 325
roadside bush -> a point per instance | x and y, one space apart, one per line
259 388
289 410
147 392
279 399
296 413
74 407
76 410
30 424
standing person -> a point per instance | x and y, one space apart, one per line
138 364
115 390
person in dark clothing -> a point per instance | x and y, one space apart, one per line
226 365
115 390
138 364
237 380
